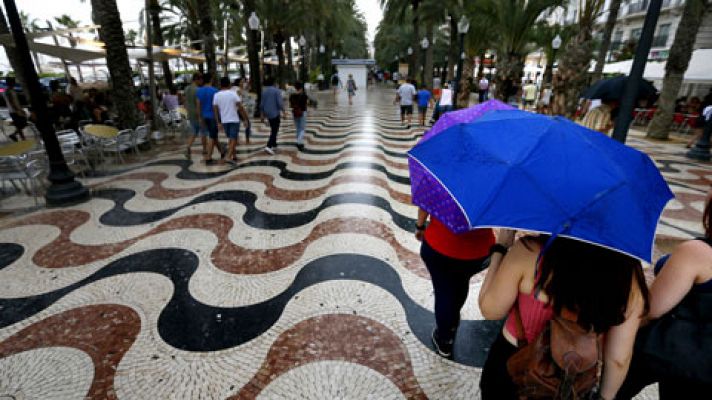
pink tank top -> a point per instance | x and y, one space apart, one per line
535 314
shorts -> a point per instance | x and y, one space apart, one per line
18 121
407 109
232 129
352 92
212 127
197 129
422 110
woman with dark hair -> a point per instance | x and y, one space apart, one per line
603 288
683 277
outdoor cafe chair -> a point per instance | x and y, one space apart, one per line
122 142
140 136
20 169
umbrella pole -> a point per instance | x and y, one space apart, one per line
625 114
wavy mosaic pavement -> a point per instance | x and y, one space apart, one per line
288 276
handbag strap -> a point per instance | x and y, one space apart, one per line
519 326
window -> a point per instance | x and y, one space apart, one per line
635 34
662 37
617 40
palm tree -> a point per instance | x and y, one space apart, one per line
396 10
253 56
678 60
204 12
112 33
512 21
154 10
575 60
67 22
606 40
12 53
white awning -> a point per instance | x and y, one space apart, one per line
699 70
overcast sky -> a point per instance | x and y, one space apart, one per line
129 10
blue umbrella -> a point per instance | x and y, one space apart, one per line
526 171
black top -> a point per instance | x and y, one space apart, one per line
298 101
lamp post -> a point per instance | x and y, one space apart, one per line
630 93
555 45
701 151
424 44
256 76
63 189
302 65
462 27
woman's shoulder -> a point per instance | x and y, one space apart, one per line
694 248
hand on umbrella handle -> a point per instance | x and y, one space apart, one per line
505 237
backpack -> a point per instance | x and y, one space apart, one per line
563 362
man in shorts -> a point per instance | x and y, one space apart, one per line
190 107
227 108
424 98
204 105
405 95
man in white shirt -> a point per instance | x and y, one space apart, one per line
405 95
227 107
484 89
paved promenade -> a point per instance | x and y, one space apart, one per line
290 276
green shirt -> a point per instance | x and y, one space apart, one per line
190 96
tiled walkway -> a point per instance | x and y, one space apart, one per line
290 276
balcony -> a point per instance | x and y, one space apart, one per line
660 41
641 6
638 7
616 45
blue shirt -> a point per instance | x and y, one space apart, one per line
423 98
205 94
272 103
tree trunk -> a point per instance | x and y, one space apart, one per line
207 30
12 56
428 82
413 69
117 60
572 73
279 41
509 72
463 97
481 66
158 41
606 42
678 60
452 55
253 51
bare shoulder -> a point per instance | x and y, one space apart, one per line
523 252
694 255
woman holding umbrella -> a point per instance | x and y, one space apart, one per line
569 276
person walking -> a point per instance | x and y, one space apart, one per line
405 95
351 88
272 106
529 95
484 89
298 101
227 108
605 291
674 349
451 260
445 100
424 99
335 82
206 115
17 113
191 107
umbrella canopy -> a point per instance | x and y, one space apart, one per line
612 89
526 171
469 114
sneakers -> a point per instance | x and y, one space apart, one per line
269 150
444 349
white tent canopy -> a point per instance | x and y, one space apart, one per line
699 70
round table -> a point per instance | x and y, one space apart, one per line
101 131
17 148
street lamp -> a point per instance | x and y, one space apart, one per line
321 49
256 76
462 27
303 66
333 54
424 44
